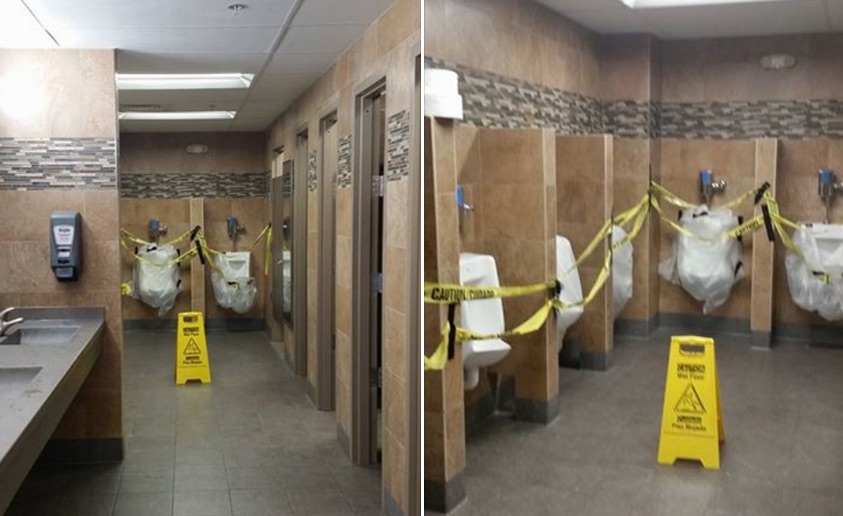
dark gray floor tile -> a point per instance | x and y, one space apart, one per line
144 504
148 482
82 505
259 502
193 479
318 502
202 503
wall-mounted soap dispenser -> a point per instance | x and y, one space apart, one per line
156 229
827 188
234 229
709 187
66 245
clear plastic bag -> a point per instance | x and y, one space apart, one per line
237 294
571 294
155 280
805 277
707 267
621 271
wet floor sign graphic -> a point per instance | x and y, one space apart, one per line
692 424
191 349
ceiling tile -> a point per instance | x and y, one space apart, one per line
144 62
739 19
323 12
224 40
321 38
583 5
301 62
174 126
835 11
612 21
148 14
142 96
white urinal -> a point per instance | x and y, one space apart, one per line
481 316
238 265
569 277
829 241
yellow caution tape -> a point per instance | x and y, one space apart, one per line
435 293
437 361
126 289
190 253
449 293
137 240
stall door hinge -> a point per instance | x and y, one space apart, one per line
378 186
377 283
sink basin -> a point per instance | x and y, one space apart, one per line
15 380
42 335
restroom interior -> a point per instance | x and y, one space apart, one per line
279 429
611 99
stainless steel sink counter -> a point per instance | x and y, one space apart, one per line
43 363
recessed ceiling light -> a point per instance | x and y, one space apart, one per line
184 81
777 62
655 4
178 115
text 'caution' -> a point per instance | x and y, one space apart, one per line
692 425
191 349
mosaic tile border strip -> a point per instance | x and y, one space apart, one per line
58 163
629 118
398 146
181 185
495 101
312 178
743 120
344 162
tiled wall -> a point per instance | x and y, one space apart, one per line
514 39
73 140
148 191
584 178
799 161
43 163
444 407
386 47
191 184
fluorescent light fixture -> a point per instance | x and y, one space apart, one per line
184 81
20 29
21 98
655 4
177 115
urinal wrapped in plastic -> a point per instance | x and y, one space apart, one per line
806 274
156 279
621 271
571 294
233 288
706 267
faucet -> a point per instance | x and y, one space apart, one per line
828 186
708 187
4 324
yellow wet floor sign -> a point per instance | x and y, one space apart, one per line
191 349
692 422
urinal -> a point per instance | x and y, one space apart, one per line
238 265
571 293
829 242
480 316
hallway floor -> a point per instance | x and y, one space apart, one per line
250 443
783 415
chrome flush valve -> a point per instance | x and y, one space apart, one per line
709 187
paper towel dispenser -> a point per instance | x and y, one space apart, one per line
66 245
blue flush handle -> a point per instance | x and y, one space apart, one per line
461 204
